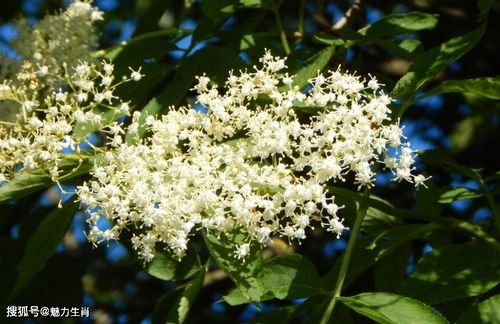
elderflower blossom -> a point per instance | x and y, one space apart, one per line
56 85
249 164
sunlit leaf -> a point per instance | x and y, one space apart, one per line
284 277
431 62
25 183
452 272
453 194
485 87
243 273
314 65
400 23
164 266
486 312
389 308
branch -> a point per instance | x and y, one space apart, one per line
349 14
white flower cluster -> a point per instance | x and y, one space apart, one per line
251 163
56 85
66 38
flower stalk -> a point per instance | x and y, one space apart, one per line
346 259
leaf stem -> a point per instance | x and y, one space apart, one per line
300 25
279 24
346 259
491 202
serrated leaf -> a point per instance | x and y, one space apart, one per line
284 277
165 267
453 272
485 312
25 183
400 23
485 87
430 63
312 66
175 306
452 194
389 308
242 272
290 276
44 241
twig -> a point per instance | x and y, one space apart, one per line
349 14
319 14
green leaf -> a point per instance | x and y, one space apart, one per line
368 251
328 39
137 92
431 62
485 312
153 107
427 200
485 6
445 159
453 272
466 131
289 276
136 50
485 87
215 61
312 66
218 10
452 194
44 241
174 307
408 48
389 272
148 13
25 183
242 272
375 219
400 23
264 4
165 267
392 309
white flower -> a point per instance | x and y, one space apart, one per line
192 174
242 250
136 75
